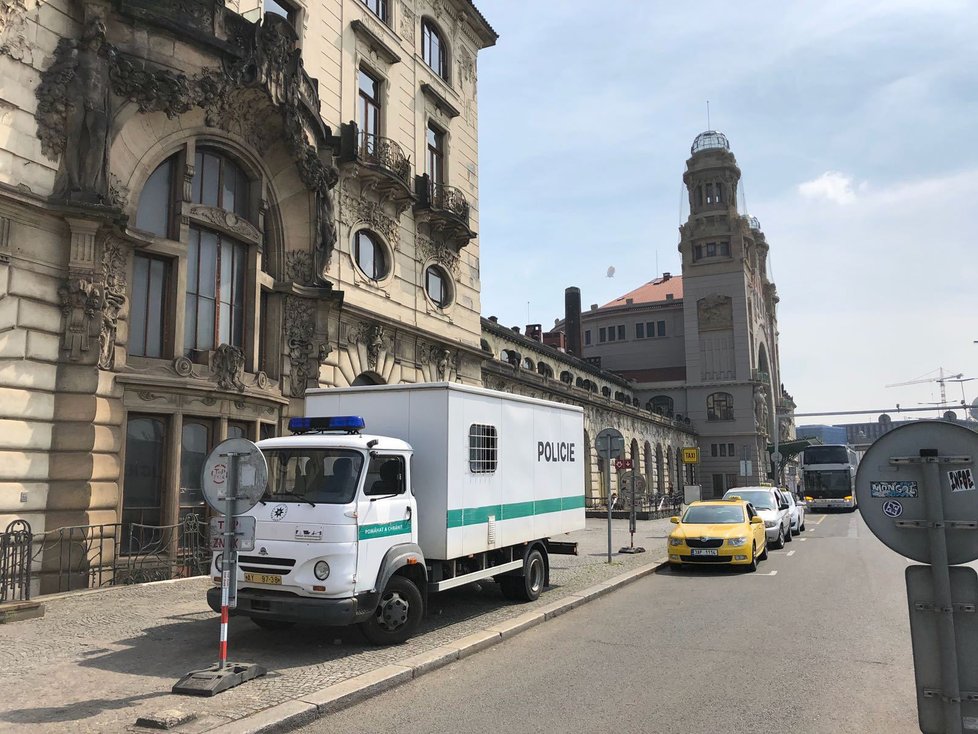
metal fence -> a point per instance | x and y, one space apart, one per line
15 562
89 556
647 506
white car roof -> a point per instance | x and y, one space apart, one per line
336 441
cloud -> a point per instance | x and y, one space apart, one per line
832 186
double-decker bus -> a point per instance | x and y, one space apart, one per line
829 476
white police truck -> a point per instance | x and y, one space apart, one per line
406 490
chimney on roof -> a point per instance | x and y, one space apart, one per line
516 329
494 319
572 320
535 331
594 307
666 276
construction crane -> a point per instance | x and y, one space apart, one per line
941 379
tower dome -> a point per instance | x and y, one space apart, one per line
711 139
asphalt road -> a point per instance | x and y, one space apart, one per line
816 641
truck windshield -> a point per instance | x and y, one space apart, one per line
313 475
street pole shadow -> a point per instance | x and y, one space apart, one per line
74 711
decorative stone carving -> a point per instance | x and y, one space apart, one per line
760 410
14 39
428 249
228 365
183 367
466 66
375 338
73 114
227 221
71 93
715 313
261 380
80 303
324 351
442 360
299 327
4 240
113 297
362 211
299 267
118 192
407 23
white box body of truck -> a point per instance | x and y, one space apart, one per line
386 493
490 469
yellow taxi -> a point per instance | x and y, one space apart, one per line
726 531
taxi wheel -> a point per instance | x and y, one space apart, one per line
763 556
752 566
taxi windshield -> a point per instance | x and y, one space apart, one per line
714 515
312 475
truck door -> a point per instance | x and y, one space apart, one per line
385 515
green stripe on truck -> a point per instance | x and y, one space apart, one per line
383 529
479 515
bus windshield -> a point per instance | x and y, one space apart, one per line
836 483
826 455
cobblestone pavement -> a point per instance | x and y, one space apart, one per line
98 660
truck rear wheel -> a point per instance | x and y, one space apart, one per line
529 585
398 613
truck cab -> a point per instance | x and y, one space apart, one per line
337 520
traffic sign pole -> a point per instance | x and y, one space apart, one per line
229 574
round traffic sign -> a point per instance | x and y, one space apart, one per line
252 475
610 444
893 495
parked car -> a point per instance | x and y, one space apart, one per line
726 531
796 508
771 506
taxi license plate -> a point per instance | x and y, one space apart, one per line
703 551
263 578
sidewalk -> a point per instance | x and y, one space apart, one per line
98 660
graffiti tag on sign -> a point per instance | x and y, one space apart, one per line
893 489
961 480
892 508
219 474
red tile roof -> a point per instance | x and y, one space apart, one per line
652 292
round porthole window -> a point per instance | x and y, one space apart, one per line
438 286
370 255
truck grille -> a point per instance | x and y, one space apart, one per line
265 564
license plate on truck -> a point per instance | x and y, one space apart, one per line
703 551
263 578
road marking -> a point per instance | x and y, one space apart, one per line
802 539
821 519
790 553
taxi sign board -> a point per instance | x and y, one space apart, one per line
896 480
244 533
691 455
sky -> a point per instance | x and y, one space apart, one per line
855 126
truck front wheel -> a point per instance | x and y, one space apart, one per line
398 613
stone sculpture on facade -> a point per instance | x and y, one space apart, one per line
761 410
80 302
299 327
228 365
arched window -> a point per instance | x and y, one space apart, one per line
567 377
719 407
370 255
544 369
155 201
606 391
216 262
662 404
433 49
528 364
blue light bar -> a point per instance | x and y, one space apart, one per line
321 424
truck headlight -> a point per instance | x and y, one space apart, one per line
736 541
675 541
219 562
321 570
770 523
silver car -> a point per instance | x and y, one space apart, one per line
772 507
797 509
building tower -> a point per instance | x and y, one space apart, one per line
730 323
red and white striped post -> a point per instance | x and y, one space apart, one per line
229 568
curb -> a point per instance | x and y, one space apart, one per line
306 709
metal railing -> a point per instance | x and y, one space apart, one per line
647 506
449 199
89 556
386 154
15 562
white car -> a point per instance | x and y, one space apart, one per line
772 507
797 509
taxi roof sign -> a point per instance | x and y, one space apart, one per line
691 455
